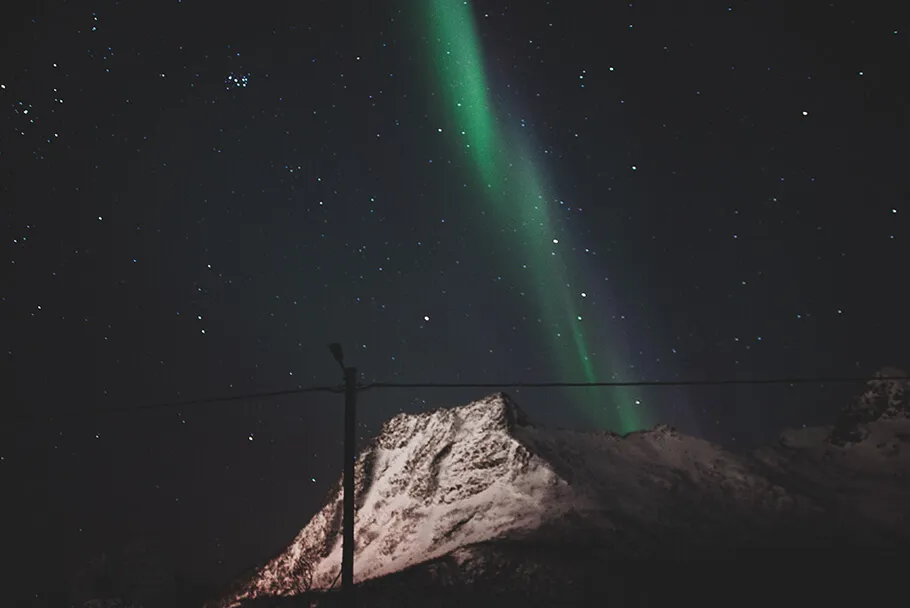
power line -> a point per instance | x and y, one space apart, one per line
449 385
642 383
293 391
191 402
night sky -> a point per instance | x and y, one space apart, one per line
196 200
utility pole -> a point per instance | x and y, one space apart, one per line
350 438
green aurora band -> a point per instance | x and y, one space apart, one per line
512 184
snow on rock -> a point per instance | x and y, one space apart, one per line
444 482
859 467
428 484
866 480
441 481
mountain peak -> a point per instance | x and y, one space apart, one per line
497 411
501 410
887 396
428 484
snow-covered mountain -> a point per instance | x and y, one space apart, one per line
464 486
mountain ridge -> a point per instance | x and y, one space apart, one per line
438 483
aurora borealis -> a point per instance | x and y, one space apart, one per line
523 214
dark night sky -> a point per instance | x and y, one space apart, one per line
196 200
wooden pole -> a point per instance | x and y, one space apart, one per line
350 438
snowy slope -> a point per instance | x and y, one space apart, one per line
427 485
443 482
868 480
